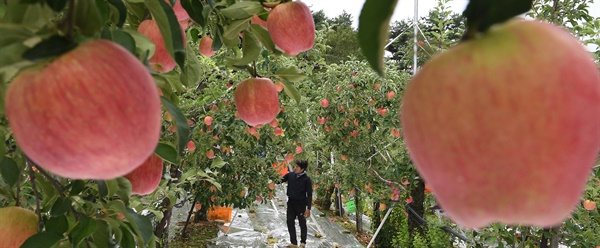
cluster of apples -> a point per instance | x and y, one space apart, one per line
505 127
292 29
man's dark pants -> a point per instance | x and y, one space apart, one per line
296 209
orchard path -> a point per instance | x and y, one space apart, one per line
265 226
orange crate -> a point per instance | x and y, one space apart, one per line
220 213
281 168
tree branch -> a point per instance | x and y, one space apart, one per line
52 180
35 192
385 180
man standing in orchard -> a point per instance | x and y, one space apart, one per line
299 192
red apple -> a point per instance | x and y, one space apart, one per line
505 127
343 157
279 87
589 205
182 15
257 20
257 101
145 178
322 120
299 149
210 154
289 158
16 225
324 103
278 131
390 95
191 146
292 27
160 61
92 113
274 123
208 120
206 46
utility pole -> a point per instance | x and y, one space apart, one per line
416 41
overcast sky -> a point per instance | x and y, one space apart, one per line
404 8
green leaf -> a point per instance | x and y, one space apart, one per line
102 189
76 187
85 228
61 206
217 163
102 235
42 240
57 5
124 190
30 15
482 14
12 33
251 50
120 6
235 27
58 224
167 152
169 29
51 47
90 16
127 238
291 91
242 10
373 25
183 129
194 8
144 46
142 224
290 73
112 186
120 37
11 60
265 38
9 171
192 73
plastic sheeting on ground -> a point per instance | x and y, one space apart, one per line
265 226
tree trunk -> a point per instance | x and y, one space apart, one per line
358 212
376 222
161 231
326 202
418 198
339 210
552 235
202 213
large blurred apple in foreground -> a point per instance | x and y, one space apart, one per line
257 101
292 27
506 127
93 113
145 178
16 225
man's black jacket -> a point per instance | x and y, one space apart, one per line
299 187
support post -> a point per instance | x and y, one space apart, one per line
416 40
382 222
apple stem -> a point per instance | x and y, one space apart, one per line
37 196
71 19
469 33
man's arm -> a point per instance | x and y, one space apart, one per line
284 178
309 192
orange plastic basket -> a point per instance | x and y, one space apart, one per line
220 213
